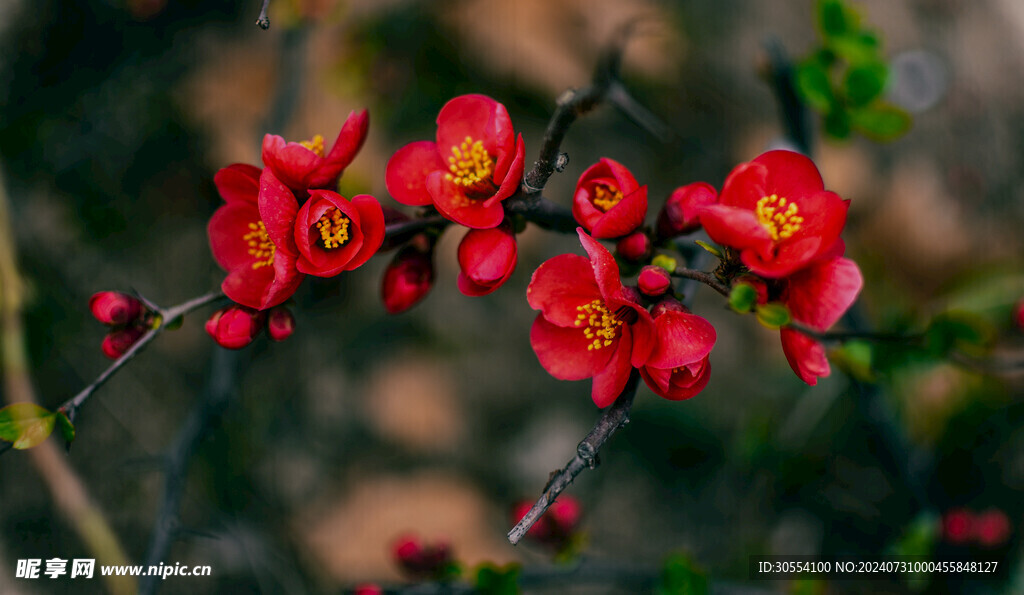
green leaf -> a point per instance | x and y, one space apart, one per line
492 579
964 331
814 86
856 49
709 248
881 122
865 82
666 262
67 429
25 424
680 576
742 297
836 18
773 315
854 359
837 124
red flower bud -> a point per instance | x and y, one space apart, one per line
556 526
565 514
115 308
634 247
117 342
992 528
368 589
487 258
422 560
681 212
235 326
280 323
958 526
654 281
540 530
408 278
1018 315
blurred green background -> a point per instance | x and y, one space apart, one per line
115 114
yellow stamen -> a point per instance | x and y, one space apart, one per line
316 144
601 325
471 165
778 216
606 197
333 226
260 246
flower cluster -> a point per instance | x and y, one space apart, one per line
424 560
283 222
126 316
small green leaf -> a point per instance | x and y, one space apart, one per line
836 18
837 124
881 122
492 579
814 86
856 49
854 359
67 429
680 576
742 297
865 82
666 262
714 251
175 324
25 424
773 315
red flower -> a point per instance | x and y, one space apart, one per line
817 297
304 165
679 366
992 528
958 526
681 212
235 326
476 163
608 201
487 258
776 212
589 327
420 559
409 277
333 234
253 241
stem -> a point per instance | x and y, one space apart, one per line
839 336
545 213
708 279
263 20
613 418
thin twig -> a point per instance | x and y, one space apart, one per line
708 279
840 336
167 317
264 21
399 232
613 418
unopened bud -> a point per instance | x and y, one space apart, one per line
235 326
280 323
117 342
487 258
654 281
408 278
115 308
681 212
634 247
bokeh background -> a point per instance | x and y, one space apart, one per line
115 114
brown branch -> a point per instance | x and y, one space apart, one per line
708 279
611 420
545 213
839 336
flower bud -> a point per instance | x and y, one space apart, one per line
992 528
668 304
487 258
368 589
957 526
422 560
565 514
408 278
681 212
235 326
634 247
280 323
654 281
557 525
1018 315
115 308
117 342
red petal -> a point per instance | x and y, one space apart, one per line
226 229
371 224
511 180
820 294
238 183
286 280
278 209
737 228
606 271
744 186
805 355
790 174
694 198
407 171
292 163
624 217
478 117
625 181
456 206
246 285
487 255
563 351
560 285
784 259
584 211
683 338
610 381
350 140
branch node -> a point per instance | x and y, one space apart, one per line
561 162
586 452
